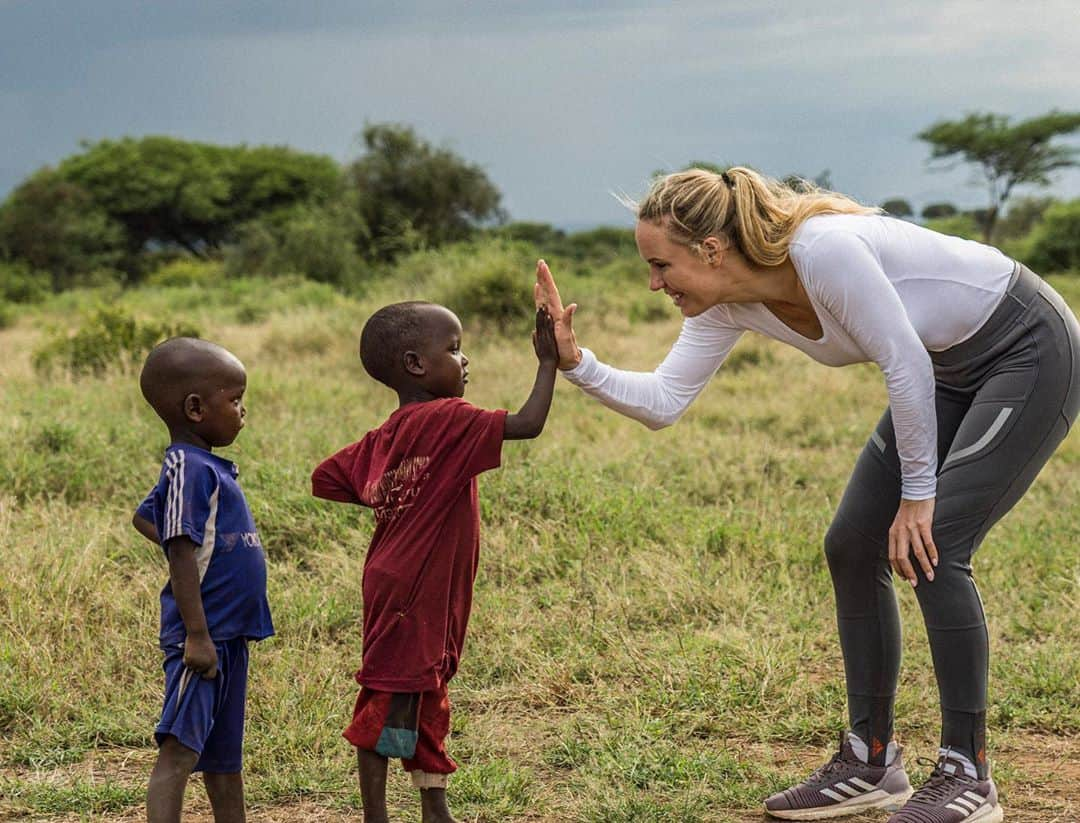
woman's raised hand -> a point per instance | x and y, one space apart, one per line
546 294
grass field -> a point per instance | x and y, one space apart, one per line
653 636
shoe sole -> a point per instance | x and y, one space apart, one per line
874 800
987 814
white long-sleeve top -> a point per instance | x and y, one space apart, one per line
884 290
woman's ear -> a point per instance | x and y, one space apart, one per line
713 248
414 364
193 408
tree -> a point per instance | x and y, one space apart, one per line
1023 215
898 207
1007 155
1055 242
936 211
170 192
800 182
412 194
55 227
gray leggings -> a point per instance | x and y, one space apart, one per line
1005 400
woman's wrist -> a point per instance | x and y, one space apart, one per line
573 362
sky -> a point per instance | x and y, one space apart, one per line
561 103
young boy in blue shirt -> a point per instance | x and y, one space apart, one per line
215 600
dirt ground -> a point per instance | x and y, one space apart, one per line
1045 772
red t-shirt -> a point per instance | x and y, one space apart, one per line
418 472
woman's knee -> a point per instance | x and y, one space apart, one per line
846 550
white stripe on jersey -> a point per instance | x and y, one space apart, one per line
174 502
206 550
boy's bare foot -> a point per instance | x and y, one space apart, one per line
433 805
372 768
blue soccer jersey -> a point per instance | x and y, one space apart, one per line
197 497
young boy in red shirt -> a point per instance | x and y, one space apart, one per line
418 472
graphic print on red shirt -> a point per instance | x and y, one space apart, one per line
417 471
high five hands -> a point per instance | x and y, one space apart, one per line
546 295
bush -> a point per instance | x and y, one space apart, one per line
604 243
186 271
1054 244
493 286
959 225
542 235
109 337
312 241
20 284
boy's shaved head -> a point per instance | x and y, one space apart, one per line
388 334
181 366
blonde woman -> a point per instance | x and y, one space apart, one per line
981 360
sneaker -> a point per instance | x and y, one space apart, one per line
845 785
950 796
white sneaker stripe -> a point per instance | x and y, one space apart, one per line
956 808
846 789
967 804
839 798
862 784
978 798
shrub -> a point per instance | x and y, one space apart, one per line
109 337
959 225
1055 242
605 243
492 285
20 284
186 271
312 241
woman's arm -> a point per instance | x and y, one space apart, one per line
847 277
656 398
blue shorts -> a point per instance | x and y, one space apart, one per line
207 716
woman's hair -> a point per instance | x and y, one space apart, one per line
757 214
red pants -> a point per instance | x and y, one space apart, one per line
382 716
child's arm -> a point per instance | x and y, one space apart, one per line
145 528
330 480
529 421
199 652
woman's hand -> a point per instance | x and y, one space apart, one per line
910 531
546 295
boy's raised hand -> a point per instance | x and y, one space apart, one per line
547 350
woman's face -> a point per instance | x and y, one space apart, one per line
691 281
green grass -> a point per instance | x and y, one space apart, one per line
653 632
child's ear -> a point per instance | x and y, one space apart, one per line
414 364
193 408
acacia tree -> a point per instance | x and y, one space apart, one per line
1006 154
173 192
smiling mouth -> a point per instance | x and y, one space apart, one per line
676 297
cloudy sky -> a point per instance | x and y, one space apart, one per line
561 102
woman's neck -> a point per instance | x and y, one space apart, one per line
776 285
